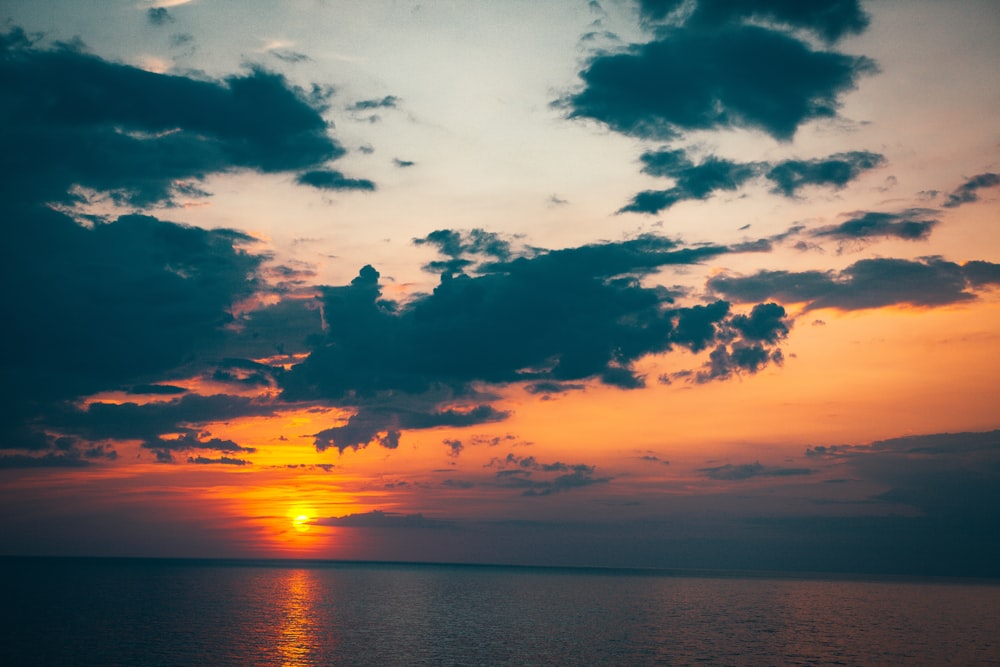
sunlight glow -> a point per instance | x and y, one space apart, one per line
301 523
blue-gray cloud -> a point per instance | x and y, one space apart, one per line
693 181
331 179
112 305
535 478
743 471
910 225
384 425
969 191
837 170
159 16
701 78
714 174
71 118
514 318
221 460
387 102
868 283
830 19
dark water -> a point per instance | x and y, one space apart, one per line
122 612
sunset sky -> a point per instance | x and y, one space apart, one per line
639 283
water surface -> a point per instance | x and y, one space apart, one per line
136 612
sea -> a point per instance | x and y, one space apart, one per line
137 612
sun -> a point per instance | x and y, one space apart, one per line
301 522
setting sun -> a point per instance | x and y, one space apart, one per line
301 523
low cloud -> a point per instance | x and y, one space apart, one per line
515 317
535 478
740 472
953 476
914 224
699 181
383 425
789 176
869 283
380 519
968 192
387 102
222 460
330 179
694 182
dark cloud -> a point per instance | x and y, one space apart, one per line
765 323
519 320
387 102
403 164
380 519
288 56
744 471
981 274
837 170
869 283
544 317
63 452
698 78
950 480
714 174
330 179
283 328
968 192
576 479
554 387
149 421
159 16
244 372
156 389
461 247
222 460
726 361
383 425
190 441
910 225
830 19
114 304
71 118
455 447
519 473
759 245
692 181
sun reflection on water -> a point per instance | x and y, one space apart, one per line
297 640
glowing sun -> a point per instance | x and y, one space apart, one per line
301 523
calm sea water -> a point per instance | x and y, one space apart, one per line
133 612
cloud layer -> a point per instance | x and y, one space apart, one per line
714 174
73 119
868 283
698 77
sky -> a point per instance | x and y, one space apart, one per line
708 284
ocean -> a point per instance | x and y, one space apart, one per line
109 612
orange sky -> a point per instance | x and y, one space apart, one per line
514 282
